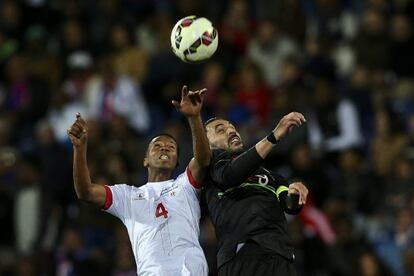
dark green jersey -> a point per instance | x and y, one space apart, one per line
250 209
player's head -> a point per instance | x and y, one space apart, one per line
162 152
222 134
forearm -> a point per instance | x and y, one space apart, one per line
247 163
229 172
201 148
81 177
264 147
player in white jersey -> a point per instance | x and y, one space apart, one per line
162 216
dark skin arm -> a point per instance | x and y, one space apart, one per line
190 106
85 189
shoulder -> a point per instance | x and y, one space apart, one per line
125 189
220 154
187 178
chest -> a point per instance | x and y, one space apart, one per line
153 206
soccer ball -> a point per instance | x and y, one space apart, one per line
194 39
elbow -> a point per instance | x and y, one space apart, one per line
204 163
83 195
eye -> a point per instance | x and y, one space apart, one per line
220 130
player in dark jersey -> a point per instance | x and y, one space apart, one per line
247 202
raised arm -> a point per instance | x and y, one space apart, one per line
85 190
190 106
228 172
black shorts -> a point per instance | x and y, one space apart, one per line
253 260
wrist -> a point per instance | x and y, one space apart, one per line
194 118
80 149
272 138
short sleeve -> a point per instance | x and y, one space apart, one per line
186 181
118 201
194 183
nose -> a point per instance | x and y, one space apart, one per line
231 131
165 149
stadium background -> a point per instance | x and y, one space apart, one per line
348 65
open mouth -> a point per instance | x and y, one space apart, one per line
234 139
164 157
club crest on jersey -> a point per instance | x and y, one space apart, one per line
140 196
263 179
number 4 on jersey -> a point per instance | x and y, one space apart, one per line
161 211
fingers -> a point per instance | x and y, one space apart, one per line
176 104
73 134
197 96
184 91
299 188
297 117
78 128
294 119
80 120
194 97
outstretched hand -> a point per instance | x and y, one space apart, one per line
191 102
78 132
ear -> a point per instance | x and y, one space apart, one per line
146 163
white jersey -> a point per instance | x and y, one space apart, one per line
162 219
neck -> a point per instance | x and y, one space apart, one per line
158 175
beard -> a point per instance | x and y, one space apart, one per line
236 151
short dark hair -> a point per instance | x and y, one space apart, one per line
167 135
212 120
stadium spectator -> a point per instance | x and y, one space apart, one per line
111 95
269 48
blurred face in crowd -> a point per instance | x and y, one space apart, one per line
401 28
16 69
249 77
10 14
72 34
404 220
266 32
162 153
373 22
222 134
213 74
368 264
404 169
323 94
237 12
382 123
349 161
120 36
301 157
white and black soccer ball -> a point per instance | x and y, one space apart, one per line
194 39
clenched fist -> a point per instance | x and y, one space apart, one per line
78 132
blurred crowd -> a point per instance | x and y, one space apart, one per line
347 65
